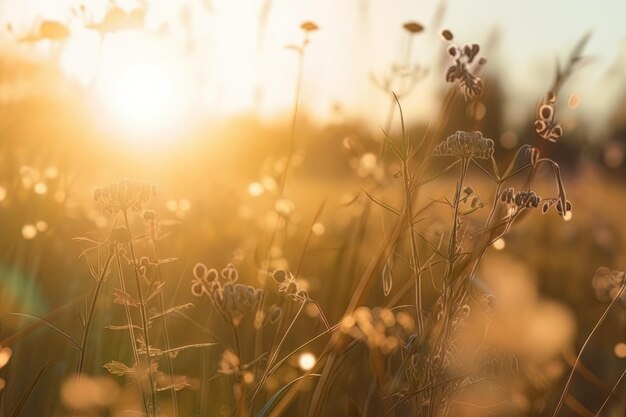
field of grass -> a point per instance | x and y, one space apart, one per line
166 261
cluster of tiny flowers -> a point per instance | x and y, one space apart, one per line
466 145
521 199
461 69
231 298
378 327
124 195
287 284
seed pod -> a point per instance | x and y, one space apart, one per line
413 27
309 26
279 276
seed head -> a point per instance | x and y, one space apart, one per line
413 27
447 35
466 145
124 195
309 26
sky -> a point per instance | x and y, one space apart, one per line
357 40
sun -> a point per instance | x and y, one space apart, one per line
143 99
141 87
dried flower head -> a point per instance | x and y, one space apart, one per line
558 206
462 69
521 199
288 285
413 27
124 195
545 126
309 26
447 35
233 299
466 145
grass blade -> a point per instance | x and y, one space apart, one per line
268 406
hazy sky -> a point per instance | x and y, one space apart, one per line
359 38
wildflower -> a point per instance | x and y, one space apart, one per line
466 145
124 195
462 68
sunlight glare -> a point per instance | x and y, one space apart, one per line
143 99
307 361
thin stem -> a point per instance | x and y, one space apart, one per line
611 394
142 310
170 362
92 308
453 232
294 117
582 349
129 318
277 350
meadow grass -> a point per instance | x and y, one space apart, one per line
400 321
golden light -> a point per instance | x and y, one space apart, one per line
499 244
307 361
144 100
140 85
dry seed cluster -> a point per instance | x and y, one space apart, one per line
287 284
521 199
124 195
231 298
466 145
462 69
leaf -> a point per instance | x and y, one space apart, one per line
383 204
174 351
174 309
166 261
155 289
118 368
268 406
121 327
179 383
397 152
50 326
85 239
25 394
122 297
